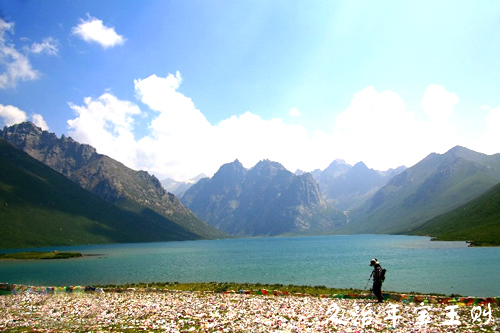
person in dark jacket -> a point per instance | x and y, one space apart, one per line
377 279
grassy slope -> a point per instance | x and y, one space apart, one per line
40 207
140 193
477 221
424 192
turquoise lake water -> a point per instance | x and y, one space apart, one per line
412 263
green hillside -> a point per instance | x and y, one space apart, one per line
112 181
435 185
41 207
477 221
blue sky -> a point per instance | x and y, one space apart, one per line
179 88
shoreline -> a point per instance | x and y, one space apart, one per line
249 289
40 255
159 310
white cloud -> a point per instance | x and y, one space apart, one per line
181 142
376 129
93 30
11 115
49 46
294 112
438 103
38 120
16 65
4 27
489 141
251 138
179 130
177 113
106 123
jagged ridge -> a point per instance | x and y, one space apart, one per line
105 177
265 200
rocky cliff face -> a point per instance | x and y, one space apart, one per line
64 154
105 177
265 200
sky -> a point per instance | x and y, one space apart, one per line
178 88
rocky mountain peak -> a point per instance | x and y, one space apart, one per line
268 164
230 172
338 162
465 153
267 167
102 175
268 200
63 155
360 166
337 168
232 167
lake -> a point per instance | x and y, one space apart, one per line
413 263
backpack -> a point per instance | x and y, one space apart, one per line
382 275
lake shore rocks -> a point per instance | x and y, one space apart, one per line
255 311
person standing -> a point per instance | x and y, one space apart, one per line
378 278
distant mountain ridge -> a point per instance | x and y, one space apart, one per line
103 176
265 200
435 185
348 187
179 187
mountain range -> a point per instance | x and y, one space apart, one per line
435 185
121 204
108 179
398 201
348 187
180 187
41 207
265 200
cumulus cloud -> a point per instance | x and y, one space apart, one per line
11 115
177 113
294 112
181 143
377 128
250 138
106 123
17 66
178 129
38 120
93 30
438 103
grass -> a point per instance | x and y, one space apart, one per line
477 221
437 184
233 286
40 255
41 207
